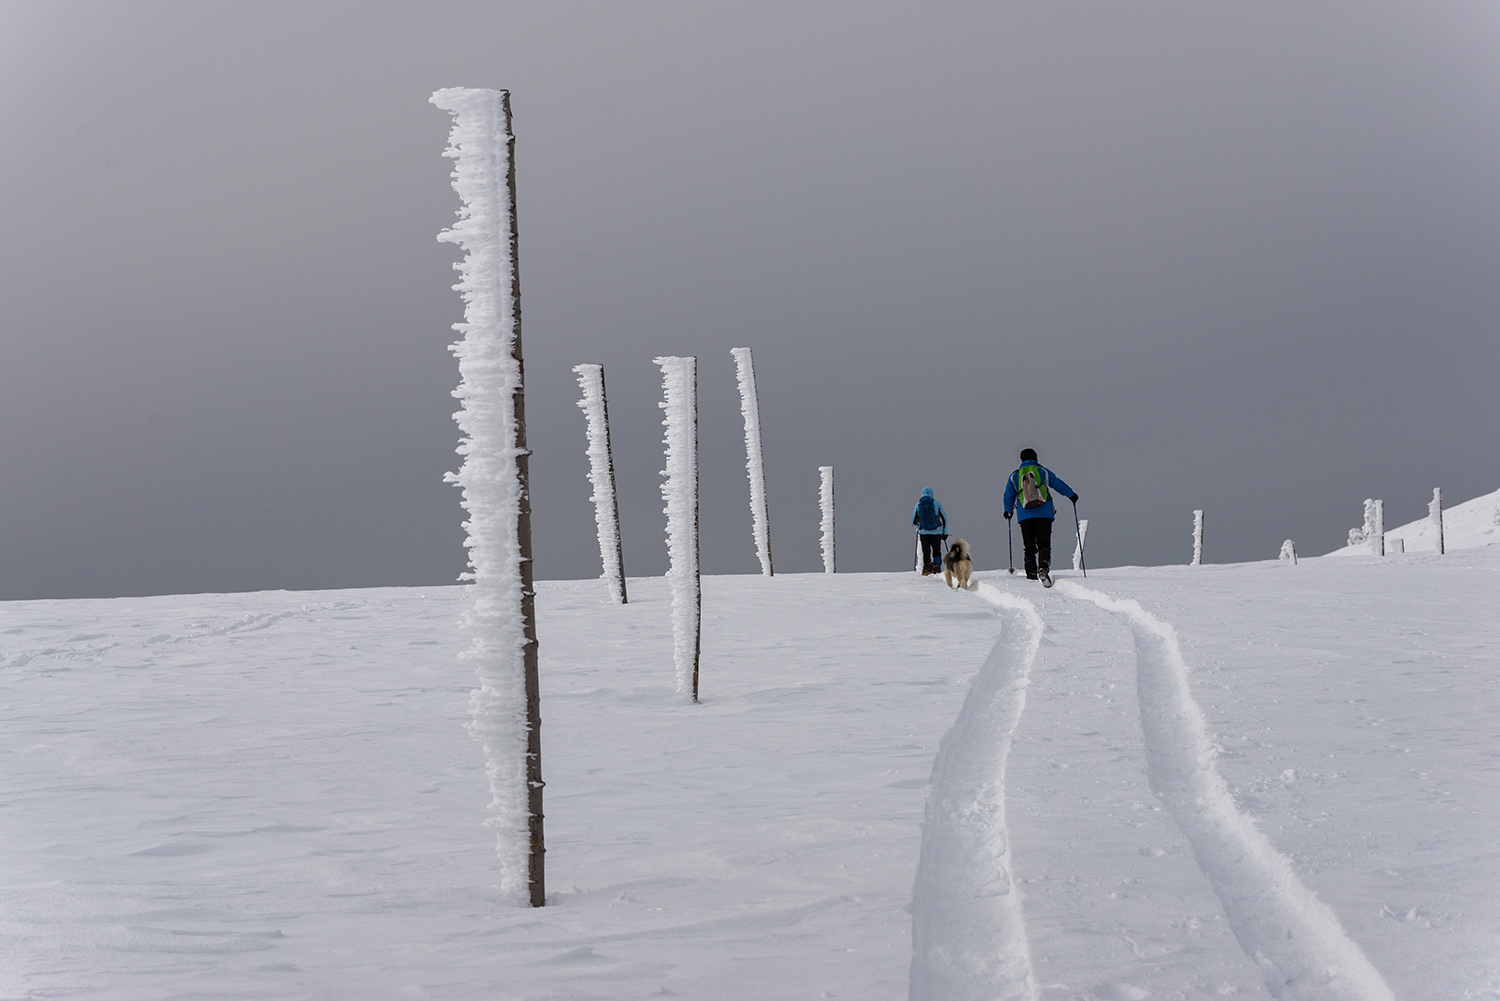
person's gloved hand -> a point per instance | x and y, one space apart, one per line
1007 516
1074 498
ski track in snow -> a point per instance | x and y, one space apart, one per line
1296 939
968 937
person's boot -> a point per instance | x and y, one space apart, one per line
1046 577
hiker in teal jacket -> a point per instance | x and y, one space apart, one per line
1035 484
932 528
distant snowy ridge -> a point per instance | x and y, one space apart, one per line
1473 523
1296 939
968 936
492 444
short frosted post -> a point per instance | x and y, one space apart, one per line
680 491
1197 538
1289 551
505 712
826 495
755 466
1435 512
595 407
1083 538
1398 545
1375 526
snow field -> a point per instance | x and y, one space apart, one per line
968 938
271 795
1297 940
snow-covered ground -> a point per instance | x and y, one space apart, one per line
273 795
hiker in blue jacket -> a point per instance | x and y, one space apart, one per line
1028 493
932 529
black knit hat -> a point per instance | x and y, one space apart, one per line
1028 455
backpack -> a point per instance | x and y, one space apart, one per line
927 514
1031 487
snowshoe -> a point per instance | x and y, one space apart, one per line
1046 578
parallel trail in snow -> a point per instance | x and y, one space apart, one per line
968 937
1296 939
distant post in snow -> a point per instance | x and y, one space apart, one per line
1197 539
1435 512
680 491
1375 526
505 711
1083 538
1289 551
830 561
755 466
595 409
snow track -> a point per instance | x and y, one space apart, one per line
1296 940
968 938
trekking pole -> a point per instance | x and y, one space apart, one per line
1079 532
1010 546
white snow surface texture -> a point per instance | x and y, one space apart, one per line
601 475
489 379
680 490
755 466
271 795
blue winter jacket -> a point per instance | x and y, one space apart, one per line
1055 485
942 516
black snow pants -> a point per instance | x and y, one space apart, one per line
932 549
1036 535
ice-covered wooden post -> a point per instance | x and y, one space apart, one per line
505 711
1375 526
1197 539
1289 551
1435 512
755 466
1083 538
680 491
825 494
595 409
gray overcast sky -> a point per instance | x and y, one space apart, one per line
1237 256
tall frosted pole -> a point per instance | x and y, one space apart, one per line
505 711
755 466
1197 539
595 409
1435 512
680 491
826 497
1375 526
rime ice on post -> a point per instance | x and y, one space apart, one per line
1375 526
1435 512
680 491
595 408
1289 551
1197 539
1083 538
826 496
755 466
505 710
